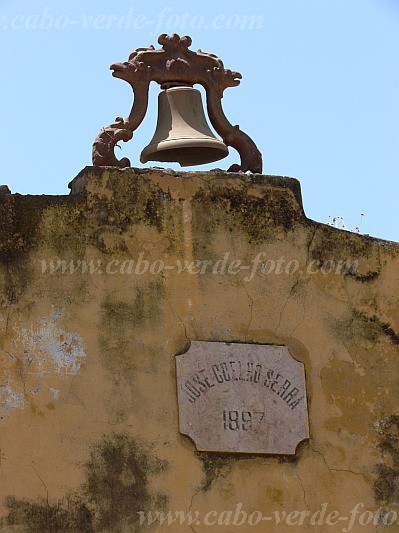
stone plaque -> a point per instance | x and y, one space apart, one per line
244 398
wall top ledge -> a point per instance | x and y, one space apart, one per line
79 184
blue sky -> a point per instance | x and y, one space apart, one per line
319 93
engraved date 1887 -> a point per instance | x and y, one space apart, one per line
242 420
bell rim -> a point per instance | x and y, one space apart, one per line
170 144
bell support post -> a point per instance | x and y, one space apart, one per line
175 63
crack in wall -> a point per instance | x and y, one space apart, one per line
8 313
286 302
304 317
341 470
42 482
179 318
302 487
310 244
251 306
190 508
26 395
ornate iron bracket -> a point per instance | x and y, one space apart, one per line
175 64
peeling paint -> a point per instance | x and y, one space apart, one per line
55 393
10 399
51 344
34 359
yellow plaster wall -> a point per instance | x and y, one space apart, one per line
89 421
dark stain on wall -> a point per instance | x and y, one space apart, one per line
133 200
219 465
121 322
115 490
141 311
117 482
358 325
333 243
20 218
66 515
363 278
153 208
258 217
378 326
213 464
386 486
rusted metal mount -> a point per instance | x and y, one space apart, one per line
171 64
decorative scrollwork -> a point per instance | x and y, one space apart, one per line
103 146
174 63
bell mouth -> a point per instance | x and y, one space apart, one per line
186 152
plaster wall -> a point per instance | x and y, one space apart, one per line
89 416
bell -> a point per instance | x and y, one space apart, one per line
182 134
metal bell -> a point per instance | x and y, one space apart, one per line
182 134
